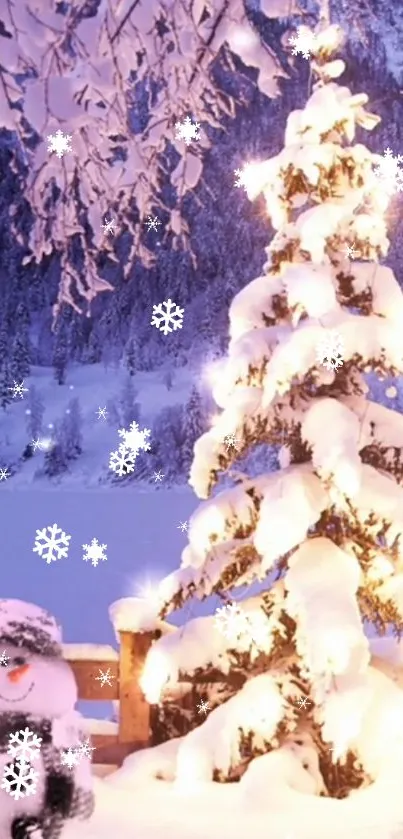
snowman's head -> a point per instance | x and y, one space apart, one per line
35 684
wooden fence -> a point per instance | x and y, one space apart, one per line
114 741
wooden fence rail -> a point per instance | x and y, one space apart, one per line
114 741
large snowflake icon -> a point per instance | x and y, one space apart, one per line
59 143
230 620
52 543
329 351
19 780
95 552
4 474
24 745
134 439
85 749
187 130
105 677
389 172
303 42
18 389
168 320
121 461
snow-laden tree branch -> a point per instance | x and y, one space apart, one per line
89 75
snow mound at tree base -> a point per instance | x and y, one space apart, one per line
159 809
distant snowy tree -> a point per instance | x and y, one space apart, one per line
322 534
167 443
5 384
34 413
62 346
84 74
71 430
168 378
131 355
194 423
129 409
20 355
56 461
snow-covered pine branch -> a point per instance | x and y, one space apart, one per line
83 72
330 520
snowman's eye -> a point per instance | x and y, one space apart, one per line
19 661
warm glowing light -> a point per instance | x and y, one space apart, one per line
155 675
380 568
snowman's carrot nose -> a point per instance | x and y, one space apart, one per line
18 673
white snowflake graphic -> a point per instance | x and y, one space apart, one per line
95 552
203 707
70 757
4 474
389 172
109 226
303 42
101 413
303 702
59 143
245 177
52 543
134 439
104 677
230 620
350 252
168 320
158 476
19 780
85 749
230 441
24 745
187 131
329 351
233 622
183 526
18 389
152 223
4 659
122 461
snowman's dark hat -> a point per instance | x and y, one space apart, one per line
29 627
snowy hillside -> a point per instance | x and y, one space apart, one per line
141 397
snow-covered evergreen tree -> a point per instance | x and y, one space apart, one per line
131 355
194 423
34 413
129 408
323 533
71 430
20 359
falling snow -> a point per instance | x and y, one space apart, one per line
59 143
4 659
187 131
389 172
4 474
51 543
329 351
95 552
24 745
152 222
19 780
104 677
109 226
303 42
167 320
18 389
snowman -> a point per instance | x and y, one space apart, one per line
45 767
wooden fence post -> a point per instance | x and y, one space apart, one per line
134 710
